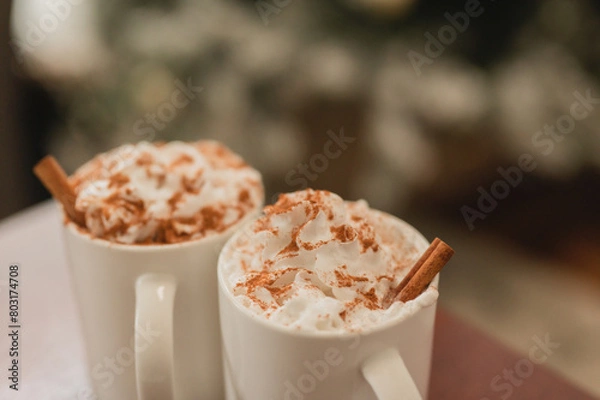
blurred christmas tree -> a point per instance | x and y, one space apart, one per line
425 76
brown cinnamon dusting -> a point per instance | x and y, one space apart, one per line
174 200
160 176
343 233
257 279
134 206
245 266
371 300
264 224
258 301
212 219
194 184
314 204
145 159
369 243
292 247
263 278
118 180
311 246
244 196
284 204
350 306
266 279
182 159
119 228
366 238
168 233
347 280
278 292
161 179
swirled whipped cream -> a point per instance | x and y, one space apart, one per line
151 193
314 262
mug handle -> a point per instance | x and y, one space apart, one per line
154 371
388 376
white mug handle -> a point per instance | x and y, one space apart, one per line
386 373
154 371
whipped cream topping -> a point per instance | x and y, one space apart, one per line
150 193
314 262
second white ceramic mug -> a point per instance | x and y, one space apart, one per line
265 361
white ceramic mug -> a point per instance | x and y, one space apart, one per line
266 361
150 316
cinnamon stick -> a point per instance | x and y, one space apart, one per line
55 180
422 273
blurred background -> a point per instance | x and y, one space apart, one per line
478 122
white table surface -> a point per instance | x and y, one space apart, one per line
52 354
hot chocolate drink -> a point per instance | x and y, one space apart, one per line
314 262
159 193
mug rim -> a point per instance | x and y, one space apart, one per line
267 323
